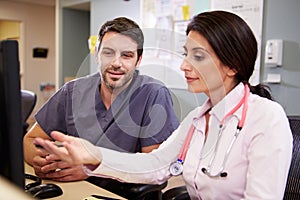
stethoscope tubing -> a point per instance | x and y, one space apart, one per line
244 102
207 171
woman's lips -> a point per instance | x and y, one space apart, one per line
190 79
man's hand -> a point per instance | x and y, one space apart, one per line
39 161
54 168
75 151
61 171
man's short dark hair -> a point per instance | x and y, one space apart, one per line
125 27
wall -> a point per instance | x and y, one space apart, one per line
282 22
101 11
76 31
10 29
37 30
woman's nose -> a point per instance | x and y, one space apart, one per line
185 65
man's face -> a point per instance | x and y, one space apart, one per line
118 60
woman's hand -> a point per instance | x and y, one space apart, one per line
74 151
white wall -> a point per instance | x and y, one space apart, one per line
101 11
104 10
37 30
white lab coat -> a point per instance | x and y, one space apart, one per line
257 166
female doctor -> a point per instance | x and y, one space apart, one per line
237 145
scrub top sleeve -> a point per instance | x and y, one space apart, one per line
269 157
161 119
51 115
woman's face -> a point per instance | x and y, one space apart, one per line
203 70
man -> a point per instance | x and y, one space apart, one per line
116 108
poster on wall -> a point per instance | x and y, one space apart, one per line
252 13
164 23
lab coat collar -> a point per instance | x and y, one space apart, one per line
197 119
229 102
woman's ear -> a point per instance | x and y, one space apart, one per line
231 72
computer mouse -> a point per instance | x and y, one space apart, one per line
45 191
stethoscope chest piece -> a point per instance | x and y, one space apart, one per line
176 168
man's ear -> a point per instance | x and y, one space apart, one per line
96 54
139 61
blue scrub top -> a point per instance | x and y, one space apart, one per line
141 115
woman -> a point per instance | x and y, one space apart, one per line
237 145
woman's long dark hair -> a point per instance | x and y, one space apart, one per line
233 42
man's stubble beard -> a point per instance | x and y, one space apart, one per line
115 85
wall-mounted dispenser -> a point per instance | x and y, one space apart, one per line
273 55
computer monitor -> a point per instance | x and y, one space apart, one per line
11 136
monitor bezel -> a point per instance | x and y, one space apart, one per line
11 135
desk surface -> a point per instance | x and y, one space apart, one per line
79 190
76 190
10 191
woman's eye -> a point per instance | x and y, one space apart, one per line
198 57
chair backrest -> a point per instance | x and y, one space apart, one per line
292 190
28 101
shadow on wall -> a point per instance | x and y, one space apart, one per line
185 101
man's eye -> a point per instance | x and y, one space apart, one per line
127 55
107 53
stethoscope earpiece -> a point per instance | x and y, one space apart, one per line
223 174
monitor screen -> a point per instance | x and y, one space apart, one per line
11 136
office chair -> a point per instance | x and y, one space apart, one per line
292 190
130 191
28 101
176 193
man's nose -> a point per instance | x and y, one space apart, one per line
116 62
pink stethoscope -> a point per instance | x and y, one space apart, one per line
176 168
